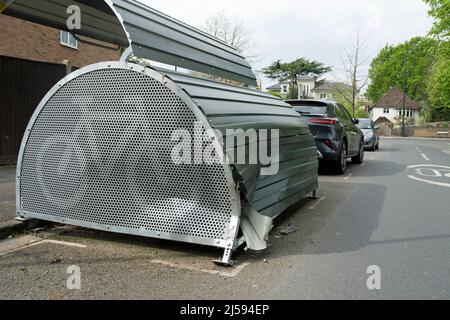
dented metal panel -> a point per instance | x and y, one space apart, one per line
99 146
231 107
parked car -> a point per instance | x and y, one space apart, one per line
371 134
335 132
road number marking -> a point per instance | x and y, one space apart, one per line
427 172
441 184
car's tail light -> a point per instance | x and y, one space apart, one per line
323 121
328 143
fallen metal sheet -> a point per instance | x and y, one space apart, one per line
97 154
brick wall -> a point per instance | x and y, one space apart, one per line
27 40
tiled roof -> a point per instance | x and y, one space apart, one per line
394 99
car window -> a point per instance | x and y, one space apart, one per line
347 114
341 113
311 110
365 124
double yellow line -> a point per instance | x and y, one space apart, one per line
4 4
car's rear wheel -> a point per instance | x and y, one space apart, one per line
360 157
340 165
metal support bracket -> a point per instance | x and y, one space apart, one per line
128 51
226 259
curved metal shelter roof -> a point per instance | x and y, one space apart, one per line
149 33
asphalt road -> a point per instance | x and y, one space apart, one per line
383 213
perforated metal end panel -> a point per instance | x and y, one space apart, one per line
98 154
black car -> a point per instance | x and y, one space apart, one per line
335 132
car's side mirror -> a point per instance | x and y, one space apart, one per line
356 121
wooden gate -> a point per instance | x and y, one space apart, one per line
23 83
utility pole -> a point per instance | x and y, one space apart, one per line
404 93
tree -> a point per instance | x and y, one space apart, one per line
352 60
439 89
291 71
387 69
439 80
232 32
440 11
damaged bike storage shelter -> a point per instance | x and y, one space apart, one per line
97 152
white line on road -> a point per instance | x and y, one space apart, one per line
424 156
65 243
11 247
348 177
430 182
317 203
230 274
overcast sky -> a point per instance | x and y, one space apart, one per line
315 29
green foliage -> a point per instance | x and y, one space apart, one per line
440 11
293 92
275 94
439 83
387 69
344 101
292 70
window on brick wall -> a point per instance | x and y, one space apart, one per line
68 40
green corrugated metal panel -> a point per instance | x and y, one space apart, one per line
152 34
231 107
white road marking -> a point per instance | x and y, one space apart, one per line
25 242
230 274
424 156
65 243
362 165
428 165
348 177
441 184
317 203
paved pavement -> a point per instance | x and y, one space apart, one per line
7 193
383 213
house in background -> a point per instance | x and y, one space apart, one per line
305 84
330 90
33 58
390 107
309 88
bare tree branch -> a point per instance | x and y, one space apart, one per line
352 60
231 32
